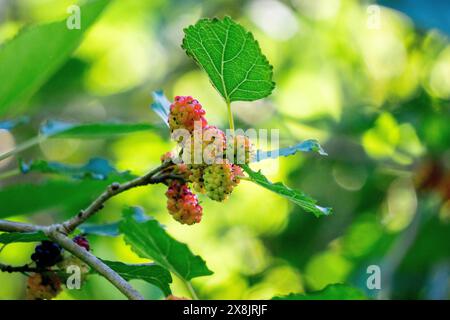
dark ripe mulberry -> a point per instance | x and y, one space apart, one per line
82 242
47 254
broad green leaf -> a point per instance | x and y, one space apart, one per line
111 229
60 129
11 237
330 292
95 168
36 53
150 273
301 199
161 106
231 57
149 240
63 196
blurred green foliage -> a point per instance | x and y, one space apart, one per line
376 97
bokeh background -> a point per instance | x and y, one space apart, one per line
372 84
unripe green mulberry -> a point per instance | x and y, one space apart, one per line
196 177
220 180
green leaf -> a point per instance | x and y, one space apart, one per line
305 146
61 195
95 168
149 240
11 237
330 292
36 53
111 229
150 273
231 57
106 229
301 199
61 129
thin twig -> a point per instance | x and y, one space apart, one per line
24 268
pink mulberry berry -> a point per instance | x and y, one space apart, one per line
184 112
183 204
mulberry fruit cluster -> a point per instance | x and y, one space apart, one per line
46 282
205 165
183 204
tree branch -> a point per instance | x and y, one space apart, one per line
96 264
58 232
10 226
114 189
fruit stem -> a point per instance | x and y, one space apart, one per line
230 116
191 289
